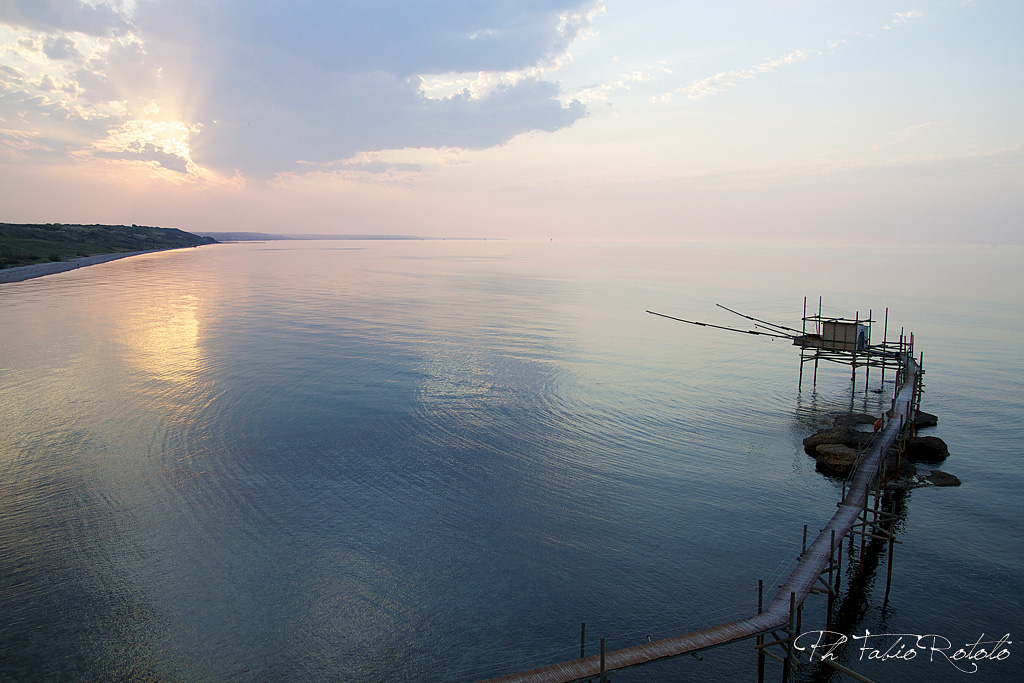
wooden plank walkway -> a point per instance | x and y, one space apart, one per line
809 568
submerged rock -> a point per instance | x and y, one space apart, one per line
924 419
896 472
939 478
916 481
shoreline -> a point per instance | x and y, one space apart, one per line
34 270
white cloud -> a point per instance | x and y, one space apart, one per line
475 86
604 91
725 79
710 85
165 143
904 18
41 90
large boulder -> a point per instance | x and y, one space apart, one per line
833 434
835 459
851 419
843 431
836 450
926 449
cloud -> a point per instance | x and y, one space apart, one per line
17 142
61 47
912 132
267 84
164 143
391 166
10 75
48 84
91 18
711 85
904 18
148 153
40 95
602 92
725 79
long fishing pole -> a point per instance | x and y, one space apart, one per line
721 327
765 322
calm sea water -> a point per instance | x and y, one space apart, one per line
390 461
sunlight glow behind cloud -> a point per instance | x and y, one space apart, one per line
357 79
161 142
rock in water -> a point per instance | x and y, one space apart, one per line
835 459
842 431
926 449
831 435
939 478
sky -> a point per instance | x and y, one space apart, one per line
830 121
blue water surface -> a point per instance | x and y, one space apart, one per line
406 460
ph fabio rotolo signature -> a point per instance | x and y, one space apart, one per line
904 647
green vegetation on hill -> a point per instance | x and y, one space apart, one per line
24 244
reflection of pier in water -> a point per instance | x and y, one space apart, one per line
817 569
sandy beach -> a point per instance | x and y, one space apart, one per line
21 273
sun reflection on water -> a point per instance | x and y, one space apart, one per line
164 337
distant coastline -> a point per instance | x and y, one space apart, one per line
15 236
22 273
273 237
31 250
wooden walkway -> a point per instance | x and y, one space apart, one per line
777 615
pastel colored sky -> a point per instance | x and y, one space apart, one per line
825 120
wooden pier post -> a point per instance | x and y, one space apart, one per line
892 543
604 676
803 332
899 460
885 341
839 564
853 360
787 663
867 366
863 532
831 590
799 621
817 352
583 639
760 638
